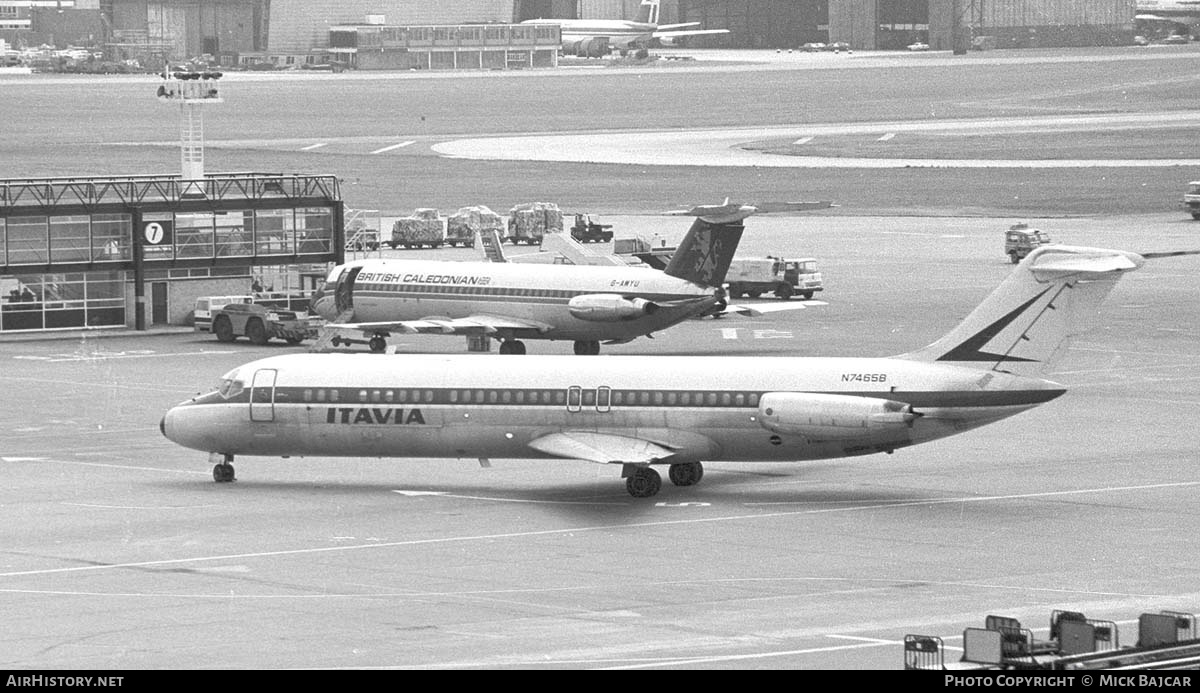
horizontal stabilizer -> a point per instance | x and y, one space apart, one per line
604 448
784 207
1051 268
724 213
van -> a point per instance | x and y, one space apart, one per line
1020 240
205 305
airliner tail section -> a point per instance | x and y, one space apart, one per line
704 254
1053 294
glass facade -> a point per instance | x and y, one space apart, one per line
28 241
73 299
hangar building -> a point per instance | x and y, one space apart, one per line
302 27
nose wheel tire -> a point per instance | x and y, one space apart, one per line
688 474
587 348
377 344
223 473
513 346
643 483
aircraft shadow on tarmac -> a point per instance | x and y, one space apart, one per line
821 489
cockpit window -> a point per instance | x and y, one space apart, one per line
231 385
231 388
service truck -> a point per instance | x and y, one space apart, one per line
1191 199
784 277
1020 240
588 230
260 323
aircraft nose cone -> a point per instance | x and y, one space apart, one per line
162 426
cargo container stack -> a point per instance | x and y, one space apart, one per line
425 228
463 224
527 223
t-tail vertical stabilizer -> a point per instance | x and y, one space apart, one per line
1053 294
704 254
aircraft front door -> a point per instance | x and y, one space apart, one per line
262 395
343 296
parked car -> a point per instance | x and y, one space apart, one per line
813 47
918 46
839 46
1176 38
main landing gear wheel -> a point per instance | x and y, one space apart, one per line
377 344
512 346
643 483
587 348
223 473
686 474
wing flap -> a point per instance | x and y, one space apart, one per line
475 324
604 448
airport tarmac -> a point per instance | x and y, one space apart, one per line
120 552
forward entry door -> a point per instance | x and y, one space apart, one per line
262 395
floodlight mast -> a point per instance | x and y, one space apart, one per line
191 90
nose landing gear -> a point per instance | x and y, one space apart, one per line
223 471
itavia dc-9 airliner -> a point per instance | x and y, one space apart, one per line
640 412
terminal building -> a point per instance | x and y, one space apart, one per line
137 251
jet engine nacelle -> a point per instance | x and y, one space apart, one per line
609 307
832 417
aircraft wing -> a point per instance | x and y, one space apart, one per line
757 309
688 32
473 325
604 448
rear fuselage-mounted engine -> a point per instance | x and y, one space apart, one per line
609 307
820 417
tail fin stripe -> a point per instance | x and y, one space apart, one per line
970 349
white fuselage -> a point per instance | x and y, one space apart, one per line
703 408
397 290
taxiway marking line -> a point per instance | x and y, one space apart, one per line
804 140
393 146
757 655
311 147
589 528
886 137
